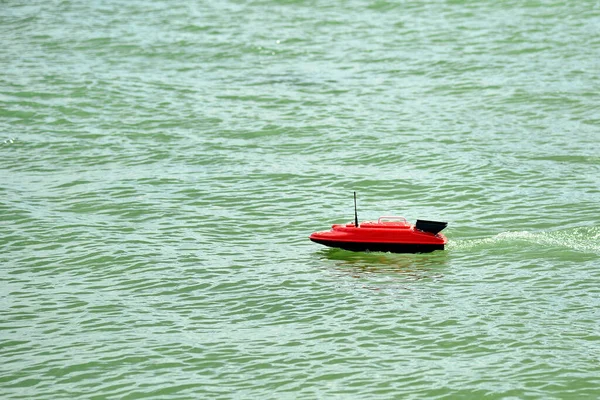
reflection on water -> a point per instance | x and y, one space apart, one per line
379 269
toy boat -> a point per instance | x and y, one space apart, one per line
389 234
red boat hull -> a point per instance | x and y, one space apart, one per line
386 236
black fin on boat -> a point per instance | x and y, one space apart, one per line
430 226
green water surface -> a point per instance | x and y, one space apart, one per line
163 163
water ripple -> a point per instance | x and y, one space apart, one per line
163 165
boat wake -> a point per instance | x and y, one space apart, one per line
581 239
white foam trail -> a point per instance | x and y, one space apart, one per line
583 239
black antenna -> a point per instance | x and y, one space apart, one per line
355 213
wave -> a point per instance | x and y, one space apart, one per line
580 239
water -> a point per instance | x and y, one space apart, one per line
162 166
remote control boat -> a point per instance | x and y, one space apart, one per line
388 234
